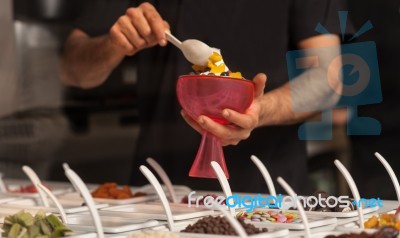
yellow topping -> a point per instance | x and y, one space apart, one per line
371 222
210 64
215 57
218 69
235 75
199 68
381 221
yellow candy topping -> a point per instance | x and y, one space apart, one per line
235 75
218 69
216 66
199 68
381 221
215 57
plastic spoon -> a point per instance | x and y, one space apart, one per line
234 222
265 174
87 197
3 187
35 180
195 51
224 182
66 167
300 208
55 201
353 189
391 174
164 177
160 192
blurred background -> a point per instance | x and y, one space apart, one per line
43 123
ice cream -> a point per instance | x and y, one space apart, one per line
216 66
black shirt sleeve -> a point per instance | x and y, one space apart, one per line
306 14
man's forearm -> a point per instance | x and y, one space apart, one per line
87 62
277 108
316 89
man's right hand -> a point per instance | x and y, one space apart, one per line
88 61
141 27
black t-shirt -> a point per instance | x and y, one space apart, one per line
254 37
367 171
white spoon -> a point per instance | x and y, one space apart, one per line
265 174
35 180
195 51
87 197
164 177
234 222
160 192
55 201
224 182
66 167
3 187
353 189
300 208
391 174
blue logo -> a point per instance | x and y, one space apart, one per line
358 72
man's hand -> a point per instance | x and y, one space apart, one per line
88 61
141 27
242 124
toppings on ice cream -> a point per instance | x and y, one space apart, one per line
216 66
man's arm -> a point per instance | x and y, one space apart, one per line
276 106
88 61
310 92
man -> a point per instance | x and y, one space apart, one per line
253 36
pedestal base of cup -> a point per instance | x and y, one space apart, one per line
210 150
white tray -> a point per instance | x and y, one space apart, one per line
27 204
178 189
77 198
4 198
55 191
84 222
353 227
350 214
155 211
140 199
313 221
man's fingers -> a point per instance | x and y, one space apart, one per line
139 22
259 80
240 120
228 135
118 38
130 32
155 22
